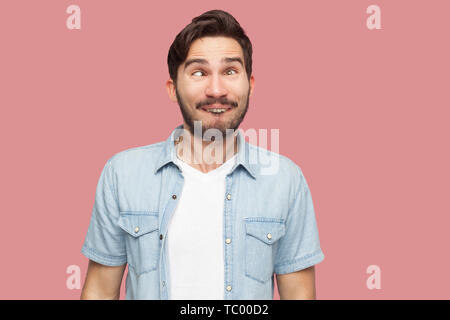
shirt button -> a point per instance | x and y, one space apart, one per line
164 283
269 236
174 196
136 229
160 237
228 288
228 196
228 240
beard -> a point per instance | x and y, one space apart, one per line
219 124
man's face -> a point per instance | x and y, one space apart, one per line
213 76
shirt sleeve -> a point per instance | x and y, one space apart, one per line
104 241
299 248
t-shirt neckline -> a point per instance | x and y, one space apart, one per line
223 168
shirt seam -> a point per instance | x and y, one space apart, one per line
104 258
109 186
294 261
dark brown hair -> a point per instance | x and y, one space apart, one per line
210 23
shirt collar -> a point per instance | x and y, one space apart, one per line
242 158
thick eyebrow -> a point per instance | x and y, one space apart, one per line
205 62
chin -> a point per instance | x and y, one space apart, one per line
222 127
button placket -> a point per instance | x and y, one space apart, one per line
228 229
168 211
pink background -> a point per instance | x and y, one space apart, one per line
363 112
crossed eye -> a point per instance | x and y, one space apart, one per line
234 72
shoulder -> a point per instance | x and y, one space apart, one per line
279 168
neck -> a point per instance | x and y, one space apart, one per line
204 155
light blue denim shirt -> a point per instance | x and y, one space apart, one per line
269 218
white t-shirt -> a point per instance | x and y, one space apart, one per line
195 235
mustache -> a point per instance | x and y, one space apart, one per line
223 101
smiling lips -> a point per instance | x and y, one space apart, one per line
216 106
216 109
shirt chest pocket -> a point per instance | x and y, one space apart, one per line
260 238
141 240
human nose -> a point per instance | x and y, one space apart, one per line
216 87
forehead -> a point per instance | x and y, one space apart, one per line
214 47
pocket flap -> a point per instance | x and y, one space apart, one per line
267 231
138 224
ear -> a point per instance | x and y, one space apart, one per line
170 86
252 84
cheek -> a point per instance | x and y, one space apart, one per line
239 88
190 95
